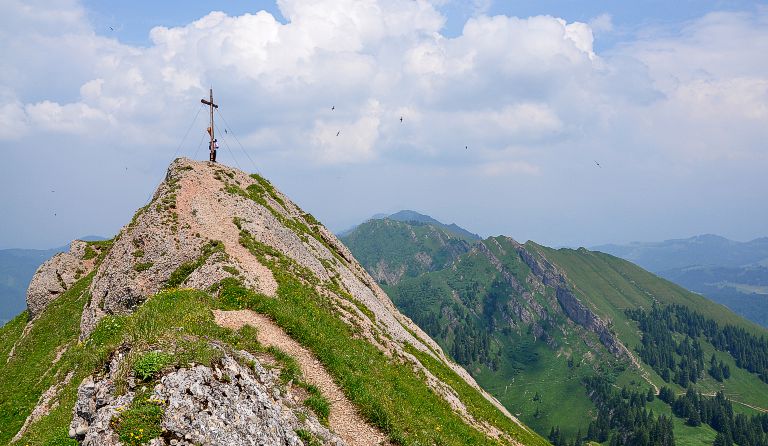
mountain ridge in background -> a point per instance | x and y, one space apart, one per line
550 332
413 216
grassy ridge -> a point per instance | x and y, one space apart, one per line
540 379
388 392
399 243
612 285
630 286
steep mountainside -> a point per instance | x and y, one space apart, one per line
223 314
537 327
732 273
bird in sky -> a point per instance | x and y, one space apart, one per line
466 147
598 165
333 108
401 119
225 131
337 133
112 29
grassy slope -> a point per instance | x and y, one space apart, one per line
608 284
388 392
30 372
399 242
527 367
612 285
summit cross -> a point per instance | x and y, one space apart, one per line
211 131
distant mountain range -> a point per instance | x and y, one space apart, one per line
17 266
702 250
732 273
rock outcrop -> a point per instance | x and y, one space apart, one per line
550 275
56 275
237 402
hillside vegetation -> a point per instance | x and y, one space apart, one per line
536 326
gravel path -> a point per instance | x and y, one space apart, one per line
344 419
213 220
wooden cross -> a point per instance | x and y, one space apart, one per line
211 129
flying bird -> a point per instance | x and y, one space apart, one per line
112 29
225 131
333 108
401 119
598 165
466 147
337 133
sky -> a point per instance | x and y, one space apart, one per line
570 123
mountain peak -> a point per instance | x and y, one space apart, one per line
408 216
217 241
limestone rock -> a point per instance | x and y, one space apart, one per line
229 404
55 276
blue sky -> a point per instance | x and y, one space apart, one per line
671 98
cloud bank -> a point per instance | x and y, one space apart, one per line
522 100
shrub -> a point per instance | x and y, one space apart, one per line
150 364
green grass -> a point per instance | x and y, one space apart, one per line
387 391
180 274
178 321
141 422
533 382
31 370
318 403
612 285
685 435
142 266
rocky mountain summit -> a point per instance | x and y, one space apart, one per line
223 314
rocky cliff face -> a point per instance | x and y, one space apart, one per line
208 223
550 275
57 274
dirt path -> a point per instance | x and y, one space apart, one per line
759 409
643 373
344 419
213 221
